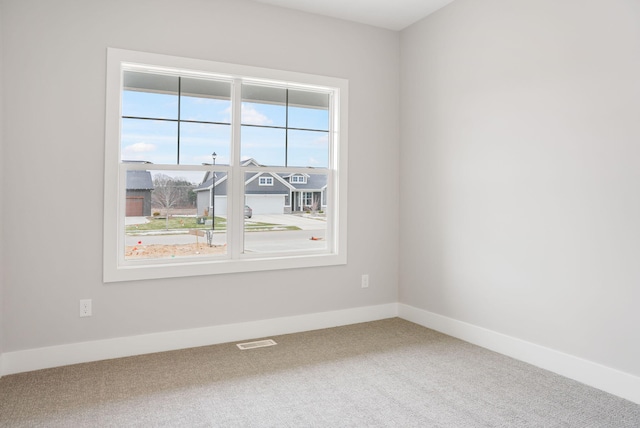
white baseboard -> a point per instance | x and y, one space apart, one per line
605 378
62 355
593 374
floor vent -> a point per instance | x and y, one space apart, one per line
258 344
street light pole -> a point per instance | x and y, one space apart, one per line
213 193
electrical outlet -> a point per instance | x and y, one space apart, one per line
85 307
365 281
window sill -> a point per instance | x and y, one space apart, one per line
221 266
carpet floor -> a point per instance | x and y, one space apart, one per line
389 373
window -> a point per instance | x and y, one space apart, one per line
298 179
197 156
307 198
266 181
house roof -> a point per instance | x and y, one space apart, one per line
206 181
139 180
314 181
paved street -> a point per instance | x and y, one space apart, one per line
284 240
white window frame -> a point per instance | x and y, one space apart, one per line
307 198
299 178
265 181
114 202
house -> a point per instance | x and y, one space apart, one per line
139 187
493 179
266 193
308 191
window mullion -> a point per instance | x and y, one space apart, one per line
286 132
332 193
235 220
178 136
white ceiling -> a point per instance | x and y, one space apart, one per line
391 14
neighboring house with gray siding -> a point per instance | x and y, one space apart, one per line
266 193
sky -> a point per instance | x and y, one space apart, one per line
156 140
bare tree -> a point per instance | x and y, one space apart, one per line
166 194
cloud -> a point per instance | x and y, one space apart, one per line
141 147
253 116
321 140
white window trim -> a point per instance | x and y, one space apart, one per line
299 178
307 198
114 271
268 181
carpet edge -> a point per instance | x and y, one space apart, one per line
611 380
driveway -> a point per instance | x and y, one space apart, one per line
135 220
304 223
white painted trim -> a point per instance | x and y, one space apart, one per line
611 380
268 181
116 268
62 355
602 377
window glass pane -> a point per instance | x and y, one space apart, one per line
153 141
265 145
149 95
162 221
199 140
285 220
308 148
205 100
264 106
308 110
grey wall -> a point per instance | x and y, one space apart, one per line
54 81
519 176
2 167
520 153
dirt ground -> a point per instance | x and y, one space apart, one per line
167 251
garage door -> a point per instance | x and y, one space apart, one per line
135 206
266 204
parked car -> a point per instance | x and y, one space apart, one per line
248 212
